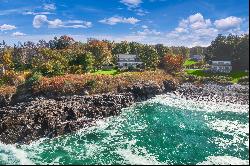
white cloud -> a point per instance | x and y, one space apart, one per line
57 23
116 19
196 18
7 27
144 26
180 30
147 32
18 34
131 3
49 7
140 12
194 30
228 23
39 20
36 13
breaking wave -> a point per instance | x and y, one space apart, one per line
167 129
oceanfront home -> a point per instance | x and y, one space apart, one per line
128 60
196 58
221 66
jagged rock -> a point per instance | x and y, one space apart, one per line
29 119
169 85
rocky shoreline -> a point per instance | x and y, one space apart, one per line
38 117
44 116
232 93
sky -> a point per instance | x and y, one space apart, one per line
169 22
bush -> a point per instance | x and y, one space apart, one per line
95 83
11 78
33 78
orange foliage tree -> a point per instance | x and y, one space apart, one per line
101 52
172 63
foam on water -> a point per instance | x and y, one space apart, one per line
10 154
224 160
167 129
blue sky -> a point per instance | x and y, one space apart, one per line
170 22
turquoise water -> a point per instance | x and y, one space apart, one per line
163 130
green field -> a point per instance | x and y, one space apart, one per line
189 63
234 76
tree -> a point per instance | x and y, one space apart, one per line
121 48
162 50
23 54
6 59
172 63
149 57
231 48
61 43
242 53
135 48
50 62
102 54
82 59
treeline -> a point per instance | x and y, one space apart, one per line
231 48
64 55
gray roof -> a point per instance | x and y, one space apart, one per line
221 63
127 56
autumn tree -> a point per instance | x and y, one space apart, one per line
172 63
101 53
50 62
61 43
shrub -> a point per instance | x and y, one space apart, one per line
33 78
95 83
11 78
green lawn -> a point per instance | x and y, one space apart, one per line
107 72
189 63
234 76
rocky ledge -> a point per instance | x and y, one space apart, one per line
50 117
235 93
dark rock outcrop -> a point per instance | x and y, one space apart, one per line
28 119
143 91
42 117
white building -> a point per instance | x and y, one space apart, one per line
221 66
128 60
196 58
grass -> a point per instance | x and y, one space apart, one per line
189 62
233 76
107 72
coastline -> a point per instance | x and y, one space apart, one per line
34 118
28 121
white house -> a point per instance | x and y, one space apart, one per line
196 57
128 60
221 66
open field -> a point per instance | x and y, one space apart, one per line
233 76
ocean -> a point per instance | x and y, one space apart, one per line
164 130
